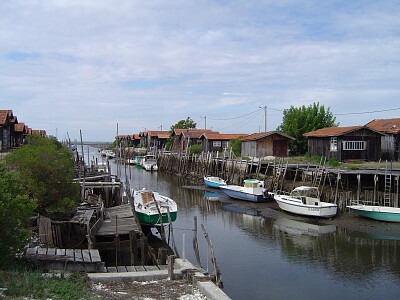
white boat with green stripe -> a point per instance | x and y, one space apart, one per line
152 208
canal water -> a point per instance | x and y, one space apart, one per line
277 257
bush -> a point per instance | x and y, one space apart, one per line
333 162
15 208
46 170
195 149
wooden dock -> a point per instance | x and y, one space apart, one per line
119 220
87 260
122 269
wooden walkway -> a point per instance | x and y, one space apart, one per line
119 220
66 259
122 269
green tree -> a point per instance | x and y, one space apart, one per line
46 169
236 146
299 120
195 149
15 208
184 124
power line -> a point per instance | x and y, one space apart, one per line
236 117
366 112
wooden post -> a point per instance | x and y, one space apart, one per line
171 232
162 256
213 258
171 261
337 187
195 243
133 247
358 187
144 247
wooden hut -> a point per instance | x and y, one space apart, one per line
271 143
7 122
390 141
184 138
217 141
345 143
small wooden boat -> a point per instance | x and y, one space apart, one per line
376 212
253 190
304 200
149 163
148 206
213 181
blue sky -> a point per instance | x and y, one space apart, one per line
68 65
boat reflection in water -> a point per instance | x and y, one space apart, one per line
298 228
211 196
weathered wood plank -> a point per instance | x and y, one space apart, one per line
95 256
121 269
60 252
51 251
41 251
69 253
86 255
140 268
112 270
163 267
130 269
32 251
151 268
78 255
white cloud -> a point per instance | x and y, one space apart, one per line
79 55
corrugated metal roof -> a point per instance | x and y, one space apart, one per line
260 135
385 125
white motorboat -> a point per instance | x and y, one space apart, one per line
149 163
253 190
305 200
146 202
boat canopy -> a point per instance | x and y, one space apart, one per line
253 183
308 191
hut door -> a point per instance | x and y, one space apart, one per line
280 148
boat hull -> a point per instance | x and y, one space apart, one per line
387 214
241 195
155 219
326 211
211 183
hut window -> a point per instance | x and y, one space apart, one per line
217 144
333 143
225 144
354 145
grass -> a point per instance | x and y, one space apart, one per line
31 284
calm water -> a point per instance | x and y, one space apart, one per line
278 258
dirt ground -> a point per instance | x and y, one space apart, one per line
150 290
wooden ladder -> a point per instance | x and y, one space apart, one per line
319 172
388 185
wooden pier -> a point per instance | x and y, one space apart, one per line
87 260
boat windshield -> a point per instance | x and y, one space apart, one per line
305 191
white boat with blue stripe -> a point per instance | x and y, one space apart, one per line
305 200
214 182
253 190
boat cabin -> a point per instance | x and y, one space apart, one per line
307 194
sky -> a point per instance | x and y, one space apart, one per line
71 65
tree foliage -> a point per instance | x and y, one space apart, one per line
184 124
15 208
236 146
46 169
299 120
195 149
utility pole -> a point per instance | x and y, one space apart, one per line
205 122
265 117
